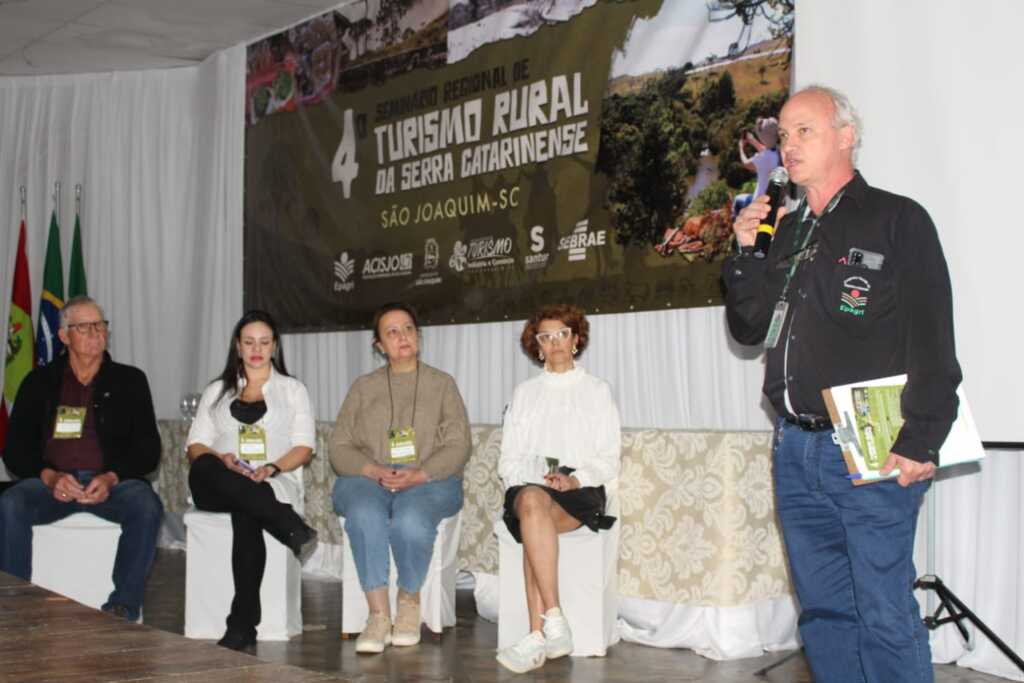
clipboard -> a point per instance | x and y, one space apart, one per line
867 420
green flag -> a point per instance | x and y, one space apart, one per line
76 272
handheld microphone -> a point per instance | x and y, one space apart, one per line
777 182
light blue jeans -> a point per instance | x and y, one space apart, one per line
376 519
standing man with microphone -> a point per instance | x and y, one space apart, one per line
853 287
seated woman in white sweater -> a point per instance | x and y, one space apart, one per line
562 415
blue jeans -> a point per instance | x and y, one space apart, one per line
132 504
850 554
376 519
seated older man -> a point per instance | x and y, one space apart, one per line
82 437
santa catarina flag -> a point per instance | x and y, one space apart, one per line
48 344
20 357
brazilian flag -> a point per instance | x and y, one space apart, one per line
48 344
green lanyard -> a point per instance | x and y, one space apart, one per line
415 395
797 258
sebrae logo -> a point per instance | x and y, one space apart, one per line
581 240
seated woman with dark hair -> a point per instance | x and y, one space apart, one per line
399 446
251 436
560 444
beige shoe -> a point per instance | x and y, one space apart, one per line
376 634
407 623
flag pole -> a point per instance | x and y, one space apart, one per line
56 201
78 199
24 202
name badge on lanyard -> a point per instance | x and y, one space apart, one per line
402 444
70 422
252 442
775 326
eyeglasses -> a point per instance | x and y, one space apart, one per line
546 338
97 327
397 332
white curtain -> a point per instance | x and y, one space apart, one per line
979 529
158 154
669 369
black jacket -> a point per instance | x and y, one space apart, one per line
902 321
125 421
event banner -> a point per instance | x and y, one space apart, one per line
477 158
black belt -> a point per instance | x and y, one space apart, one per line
810 423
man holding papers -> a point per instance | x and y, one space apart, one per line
854 287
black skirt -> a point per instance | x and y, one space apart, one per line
585 504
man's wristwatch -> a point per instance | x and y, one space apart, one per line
277 470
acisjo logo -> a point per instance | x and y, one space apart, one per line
343 269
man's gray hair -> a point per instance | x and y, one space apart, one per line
843 113
75 302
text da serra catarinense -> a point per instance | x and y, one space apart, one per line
530 124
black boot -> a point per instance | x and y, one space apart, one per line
242 641
302 542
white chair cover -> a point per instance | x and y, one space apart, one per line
588 572
437 596
75 557
209 585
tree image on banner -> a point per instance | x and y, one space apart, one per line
673 135
645 150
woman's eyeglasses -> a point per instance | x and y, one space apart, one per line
546 338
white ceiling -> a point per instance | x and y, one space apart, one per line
78 36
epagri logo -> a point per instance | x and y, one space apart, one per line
394 265
344 267
582 239
854 297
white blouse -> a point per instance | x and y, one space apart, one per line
287 423
570 416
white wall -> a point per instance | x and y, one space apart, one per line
938 86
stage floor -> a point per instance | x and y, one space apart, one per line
44 637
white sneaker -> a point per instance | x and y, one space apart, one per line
557 636
526 655
376 634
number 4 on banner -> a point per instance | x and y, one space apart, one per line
344 168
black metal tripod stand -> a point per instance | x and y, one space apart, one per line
957 612
949 604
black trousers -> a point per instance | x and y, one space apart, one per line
253 509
